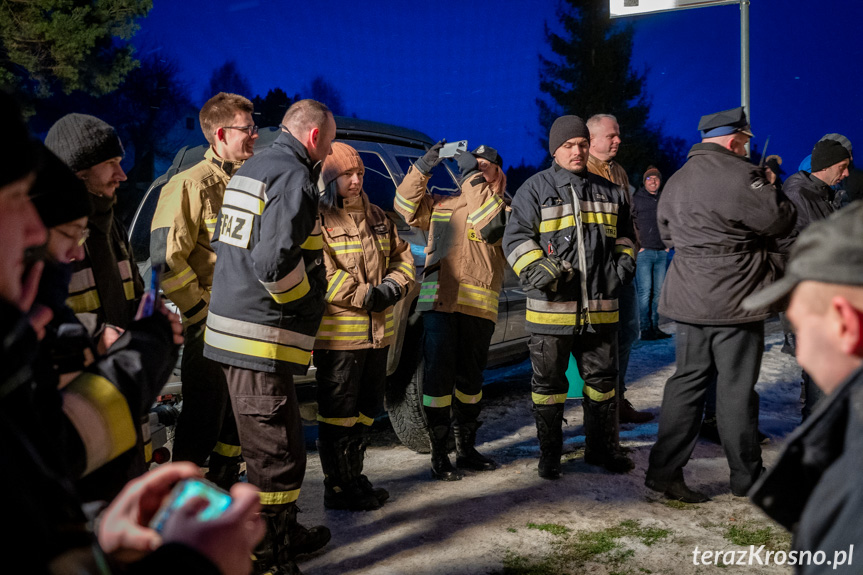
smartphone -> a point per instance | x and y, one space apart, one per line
187 490
151 296
450 150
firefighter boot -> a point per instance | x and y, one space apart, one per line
341 490
549 430
467 457
441 467
356 456
601 446
271 554
222 470
302 540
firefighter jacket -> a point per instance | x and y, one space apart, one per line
614 173
361 248
106 282
584 220
464 261
269 281
182 228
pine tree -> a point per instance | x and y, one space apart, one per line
46 45
591 73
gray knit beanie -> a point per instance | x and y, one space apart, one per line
566 128
82 141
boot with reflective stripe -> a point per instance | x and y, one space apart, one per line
467 457
549 430
341 490
356 456
601 446
442 469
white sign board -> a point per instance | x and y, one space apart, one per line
621 8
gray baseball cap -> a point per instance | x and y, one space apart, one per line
828 251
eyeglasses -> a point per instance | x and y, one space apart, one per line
251 129
80 238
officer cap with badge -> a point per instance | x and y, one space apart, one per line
488 153
725 123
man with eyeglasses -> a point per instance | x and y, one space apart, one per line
182 228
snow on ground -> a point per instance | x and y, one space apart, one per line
470 526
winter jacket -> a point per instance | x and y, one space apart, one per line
106 282
813 200
585 220
720 215
269 281
644 205
361 248
464 261
614 173
182 227
813 490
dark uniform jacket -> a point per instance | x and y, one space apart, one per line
720 215
585 220
644 205
813 200
269 281
814 489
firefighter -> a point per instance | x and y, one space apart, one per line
459 296
571 242
369 269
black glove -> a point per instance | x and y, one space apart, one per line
625 269
540 274
467 164
382 296
431 158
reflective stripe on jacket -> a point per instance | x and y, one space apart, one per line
464 261
361 248
183 225
269 281
585 220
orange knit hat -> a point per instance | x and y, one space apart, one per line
342 159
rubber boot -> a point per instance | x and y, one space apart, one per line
356 456
442 469
549 430
467 457
341 490
223 471
271 556
601 432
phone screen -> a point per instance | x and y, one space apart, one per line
450 150
187 490
152 293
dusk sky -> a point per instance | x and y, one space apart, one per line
470 69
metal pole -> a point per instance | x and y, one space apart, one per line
744 61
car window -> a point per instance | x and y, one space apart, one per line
377 181
441 181
139 235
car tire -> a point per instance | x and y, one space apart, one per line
405 406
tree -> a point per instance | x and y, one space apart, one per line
591 74
323 91
69 45
227 78
270 110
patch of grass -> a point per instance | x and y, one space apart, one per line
757 534
552 528
643 570
512 529
515 564
675 504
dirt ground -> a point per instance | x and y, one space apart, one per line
511 521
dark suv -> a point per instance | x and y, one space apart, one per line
387 153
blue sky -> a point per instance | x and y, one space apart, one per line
470 69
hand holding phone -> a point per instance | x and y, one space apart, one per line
187 490
450 150
151 296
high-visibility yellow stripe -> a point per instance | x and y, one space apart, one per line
249 330
596 395
405 203
227 449
489 206
101 416
339 421
350 328
236 199
431 401
348 247
599 218
406 268
465 398
335 284
313 242
475 296
551 318
597 317
294 293
441 216
619 249
85 302
365 420
383 244
129 290
289 281
177 280
261 349
542 399
279 497
556 224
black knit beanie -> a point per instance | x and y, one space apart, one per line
82 141
20 152
566 128
826 153
58 194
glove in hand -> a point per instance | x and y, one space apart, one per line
467 163
382 296
625 269
540 274
431 158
